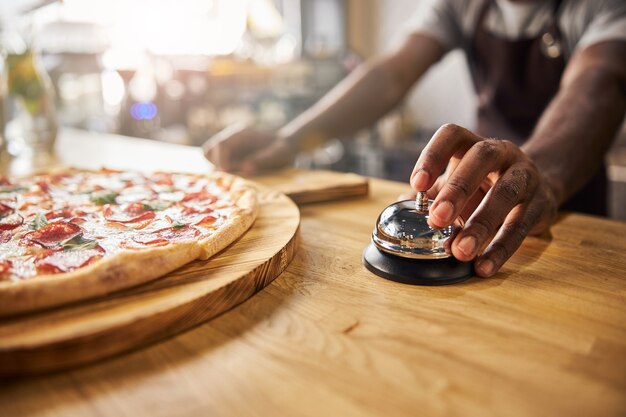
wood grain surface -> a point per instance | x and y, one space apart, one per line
544 337
72 335
305 187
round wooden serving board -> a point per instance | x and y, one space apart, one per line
77 334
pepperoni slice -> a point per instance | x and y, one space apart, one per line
11 221
196 209
179 233
36 191
162 178
5 266
5 236
43 204
204 196
64 213
109 171
44 187
129 213
147 240
167 235
53 234
59 261
198 219
138 225
54 178
206 221
5 210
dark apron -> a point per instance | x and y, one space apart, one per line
515 81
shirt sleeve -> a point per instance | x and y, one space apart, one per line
438 19
608 23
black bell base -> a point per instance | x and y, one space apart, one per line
416 271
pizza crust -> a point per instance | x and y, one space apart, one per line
236 225
130 268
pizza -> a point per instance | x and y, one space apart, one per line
71 235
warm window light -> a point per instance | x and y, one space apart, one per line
174 27
264 20
112 88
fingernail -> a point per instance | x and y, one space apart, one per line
444 211
420 180
467 245
486 268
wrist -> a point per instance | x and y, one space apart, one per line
554 188
552 181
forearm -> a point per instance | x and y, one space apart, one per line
576 130
366 95
355 103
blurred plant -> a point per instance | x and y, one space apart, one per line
24 80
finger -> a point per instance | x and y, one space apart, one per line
445 143
219 156
222 157
233 147
208 149
481 159
471 204
441 180
437 186
217 148
509 238
229 131
511 189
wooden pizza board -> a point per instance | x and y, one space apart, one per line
305 187
94 329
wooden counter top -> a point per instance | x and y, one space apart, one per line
544 337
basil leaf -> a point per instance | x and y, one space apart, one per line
101 198
79 243
156 205
177 224
11 189
39 222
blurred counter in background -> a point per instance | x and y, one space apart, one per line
178 71
186 100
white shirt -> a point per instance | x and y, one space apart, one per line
581 22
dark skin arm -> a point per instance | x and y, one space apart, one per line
508 192
367 94
589 109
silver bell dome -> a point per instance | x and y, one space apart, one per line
402 229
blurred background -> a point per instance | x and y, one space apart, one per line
181 70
